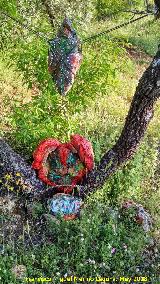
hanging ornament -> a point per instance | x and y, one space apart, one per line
64 57
63 164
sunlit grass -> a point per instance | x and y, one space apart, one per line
96 107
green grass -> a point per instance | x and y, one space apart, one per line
84 247
96 107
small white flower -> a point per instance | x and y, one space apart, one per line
102 264
158 83
57 273
91 261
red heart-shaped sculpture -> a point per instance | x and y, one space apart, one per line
63 164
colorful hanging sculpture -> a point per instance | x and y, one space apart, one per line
64 57
65 205
63 164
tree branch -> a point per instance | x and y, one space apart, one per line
137 12
49 12
14 165
140 113
157 8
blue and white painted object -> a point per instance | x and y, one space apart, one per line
65 205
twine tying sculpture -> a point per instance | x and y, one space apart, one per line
64 57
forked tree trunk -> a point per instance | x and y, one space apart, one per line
137 120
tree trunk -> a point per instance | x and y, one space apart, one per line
157 8
137 120
139 115
49 12
17 170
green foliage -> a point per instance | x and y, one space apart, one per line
84 247
96 108
37 209
116 8
113 8
147 37
8 6
110 8
135 177
48 114
81 12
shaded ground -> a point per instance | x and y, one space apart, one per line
137 55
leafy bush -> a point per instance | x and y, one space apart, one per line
109 8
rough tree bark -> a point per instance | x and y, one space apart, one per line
49 12
157 9
16 168
139 115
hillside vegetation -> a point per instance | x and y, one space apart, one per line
102 242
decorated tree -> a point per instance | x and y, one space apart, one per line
140 114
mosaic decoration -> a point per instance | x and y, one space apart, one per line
65 205
64 57
63 164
